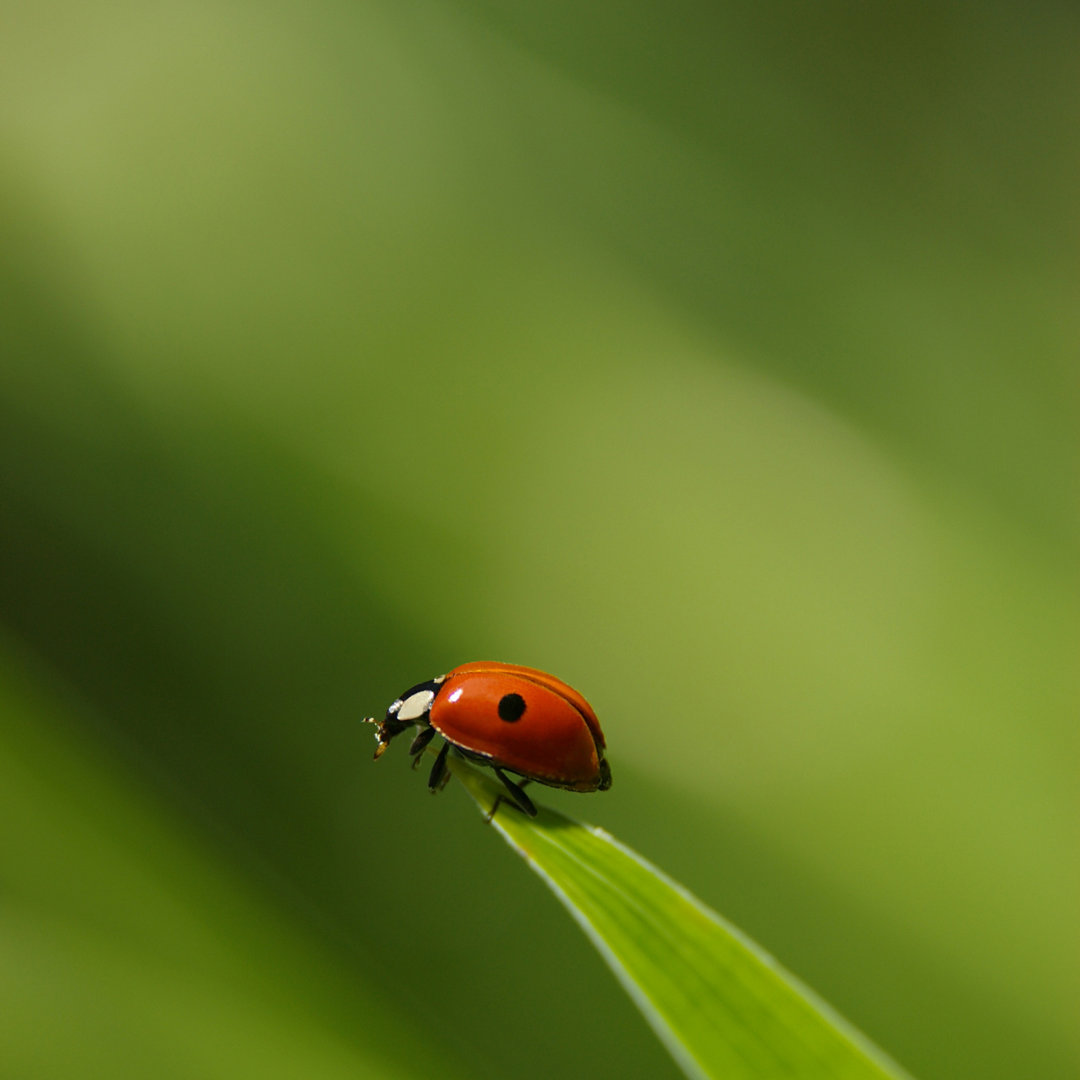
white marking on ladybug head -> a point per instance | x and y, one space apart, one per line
416 706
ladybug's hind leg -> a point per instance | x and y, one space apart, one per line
515 794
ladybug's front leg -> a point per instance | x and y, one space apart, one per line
419 744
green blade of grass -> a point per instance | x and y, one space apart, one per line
720 1004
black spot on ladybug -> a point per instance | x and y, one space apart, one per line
511 707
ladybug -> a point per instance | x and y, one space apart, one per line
515 719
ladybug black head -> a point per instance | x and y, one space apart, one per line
408 710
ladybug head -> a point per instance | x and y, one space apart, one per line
409 710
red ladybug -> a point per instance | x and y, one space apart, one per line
512 718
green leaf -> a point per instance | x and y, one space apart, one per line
721 1005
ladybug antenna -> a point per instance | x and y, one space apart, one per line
380 735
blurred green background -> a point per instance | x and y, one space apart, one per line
720 358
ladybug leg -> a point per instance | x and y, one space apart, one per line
515 795
419 744
439 773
